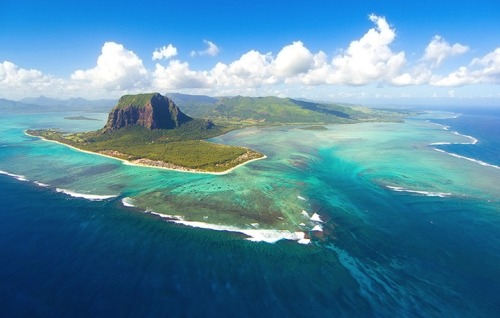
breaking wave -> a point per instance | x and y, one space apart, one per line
425 193
90 197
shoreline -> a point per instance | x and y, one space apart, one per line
137 164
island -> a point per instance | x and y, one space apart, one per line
80 118
150 130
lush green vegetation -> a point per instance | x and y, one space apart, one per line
251 111
172 148
192 154
138 100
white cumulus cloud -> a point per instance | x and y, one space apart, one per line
117 69
252 70
165 52
484 70
438 50
293 59
369 58
419 75
489 67
12 75
20 82
177 75
365 61
459 77
211 50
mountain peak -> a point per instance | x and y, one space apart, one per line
152 111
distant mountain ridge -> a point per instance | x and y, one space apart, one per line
193 99
71 102
46 104
9 106
237 110
267 110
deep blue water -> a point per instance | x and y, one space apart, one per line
412 256
65 257
482 124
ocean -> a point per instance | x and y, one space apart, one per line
363 220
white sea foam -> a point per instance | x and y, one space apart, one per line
426 193
304 241
40 184
128 202
316 217
482 163
15 176
91 197
255 235
472 139
317 228
165 216
440 143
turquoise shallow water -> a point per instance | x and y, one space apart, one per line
407 230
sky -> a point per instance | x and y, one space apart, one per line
367 52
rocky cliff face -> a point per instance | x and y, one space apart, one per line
152 111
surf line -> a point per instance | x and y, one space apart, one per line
473 141
425 193
254 235
482 163
90 197
15 176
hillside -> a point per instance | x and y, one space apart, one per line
243 110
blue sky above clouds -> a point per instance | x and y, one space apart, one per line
365 51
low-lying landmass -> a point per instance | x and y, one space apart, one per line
319 128
149 129
80 118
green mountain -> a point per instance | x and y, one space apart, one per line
151 111
243 110
186 99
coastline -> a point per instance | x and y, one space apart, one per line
140 162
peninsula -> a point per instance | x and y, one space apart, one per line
150 130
